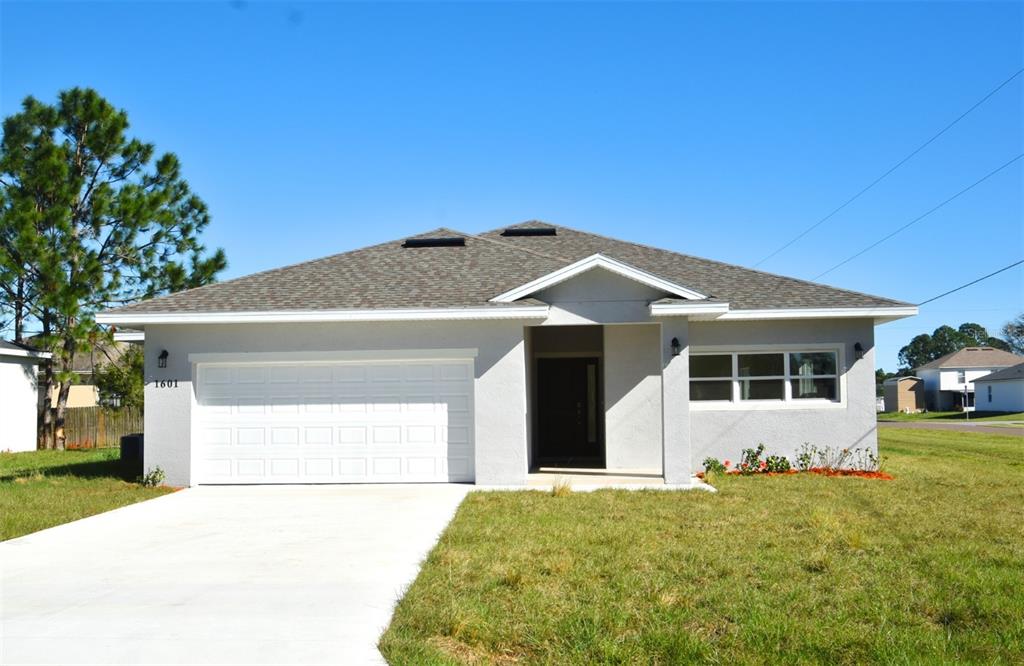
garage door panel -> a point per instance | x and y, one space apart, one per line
348 422
250 436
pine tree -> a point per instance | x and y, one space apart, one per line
88 219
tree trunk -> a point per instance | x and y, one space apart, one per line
59 438
44 419
67 362
19 310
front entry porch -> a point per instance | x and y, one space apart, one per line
582 477
595 404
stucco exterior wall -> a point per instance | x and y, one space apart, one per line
675 412
499 385
598 297
19 397
1006 396
632 396
79 395
724 433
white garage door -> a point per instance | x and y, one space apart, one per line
352 422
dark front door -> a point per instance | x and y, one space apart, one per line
569 412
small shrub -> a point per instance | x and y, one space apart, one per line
832 458
865 459
805 457
713 466
750 460
561 488
776 464
154 477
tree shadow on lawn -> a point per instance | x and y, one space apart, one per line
92 469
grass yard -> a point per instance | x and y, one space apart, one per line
928 568
40 489
952 416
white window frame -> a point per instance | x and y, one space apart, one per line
788 401
961 377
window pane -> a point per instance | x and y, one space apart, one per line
760 365
711 390
815 388
713 365
761 389
812 363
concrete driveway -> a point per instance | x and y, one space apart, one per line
221 575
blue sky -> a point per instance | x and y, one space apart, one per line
720 130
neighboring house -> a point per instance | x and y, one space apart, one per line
19 395
1001 391
83 392
904 394
459 357
949 380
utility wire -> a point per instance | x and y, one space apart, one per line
894 167
964 286
920 217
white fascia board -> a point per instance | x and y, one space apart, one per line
880 314
130 336
591 262
278 316
337 356
688 309
26 353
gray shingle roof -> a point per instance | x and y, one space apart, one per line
377 277
1004 375
387 276
975 357
743 288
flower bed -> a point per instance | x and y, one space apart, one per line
859 473
827 461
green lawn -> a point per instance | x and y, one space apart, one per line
928 568
952 416
40 489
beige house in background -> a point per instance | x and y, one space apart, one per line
903 394
83 392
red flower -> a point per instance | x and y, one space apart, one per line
726 463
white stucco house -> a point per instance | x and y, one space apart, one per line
1001 391
19 395
949 380
478 358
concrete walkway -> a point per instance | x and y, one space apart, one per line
221 575
1008 427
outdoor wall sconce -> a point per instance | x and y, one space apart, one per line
676 347
858 350
161 360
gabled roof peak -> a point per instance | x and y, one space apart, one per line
589 263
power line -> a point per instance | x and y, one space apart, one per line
894 167
920 217
964 286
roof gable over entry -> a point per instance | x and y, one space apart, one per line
592 262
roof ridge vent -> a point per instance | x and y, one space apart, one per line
443 241
530 231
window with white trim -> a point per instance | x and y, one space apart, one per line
783 377
961 376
